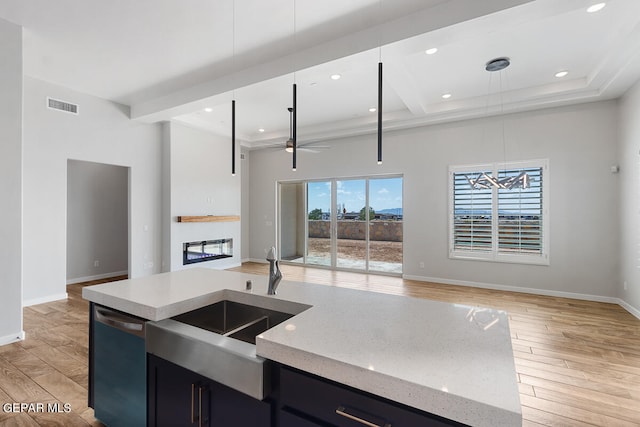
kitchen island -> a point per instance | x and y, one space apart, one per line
451 360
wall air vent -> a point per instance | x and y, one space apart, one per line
67 107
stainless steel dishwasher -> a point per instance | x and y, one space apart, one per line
120 373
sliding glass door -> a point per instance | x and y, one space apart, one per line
351 224
319 223
348 224
385 227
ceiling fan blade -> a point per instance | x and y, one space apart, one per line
313 146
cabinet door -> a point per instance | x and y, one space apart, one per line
177 396
287 419
342 406
232 408
180 397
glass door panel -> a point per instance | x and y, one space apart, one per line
351 224
385 226
292 222
319 213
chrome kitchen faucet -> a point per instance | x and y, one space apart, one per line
274 271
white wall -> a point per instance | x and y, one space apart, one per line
166 197
201 184
103 133
97 221
580 143
630 198
10 182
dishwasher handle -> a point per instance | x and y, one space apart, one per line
129 324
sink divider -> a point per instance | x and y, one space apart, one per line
246 325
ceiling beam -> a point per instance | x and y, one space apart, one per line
441 15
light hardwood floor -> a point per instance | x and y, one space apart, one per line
578 362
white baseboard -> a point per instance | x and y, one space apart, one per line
631 309
42 300
96 277
8 339
547 292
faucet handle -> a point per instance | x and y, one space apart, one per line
271 256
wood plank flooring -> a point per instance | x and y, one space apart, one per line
51 365
578 362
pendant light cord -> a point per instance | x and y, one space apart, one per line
380 32
233 47
504 141
380 84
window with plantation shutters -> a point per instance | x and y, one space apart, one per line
472 221
499 212
520 214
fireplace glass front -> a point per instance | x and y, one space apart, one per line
206 250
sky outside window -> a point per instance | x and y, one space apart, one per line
384 193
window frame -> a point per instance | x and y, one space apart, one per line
494 255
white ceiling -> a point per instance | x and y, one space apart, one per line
172 58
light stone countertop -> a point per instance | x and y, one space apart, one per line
452 360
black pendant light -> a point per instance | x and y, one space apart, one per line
233 137
379 113
293 128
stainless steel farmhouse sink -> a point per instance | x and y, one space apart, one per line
233 319
218 340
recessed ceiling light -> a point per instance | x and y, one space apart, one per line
446 96
260 130
372 110
561 73
208 110
431 51
335 76
596 7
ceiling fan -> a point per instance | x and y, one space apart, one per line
309 147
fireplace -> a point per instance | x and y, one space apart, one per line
206 250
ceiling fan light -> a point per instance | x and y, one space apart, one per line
289 148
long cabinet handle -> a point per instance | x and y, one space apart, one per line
199 406
193 393
341 410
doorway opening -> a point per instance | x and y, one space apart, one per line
97 221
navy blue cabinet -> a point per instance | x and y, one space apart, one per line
287 419
307 400
180 397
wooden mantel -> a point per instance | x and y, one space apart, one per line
209 218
